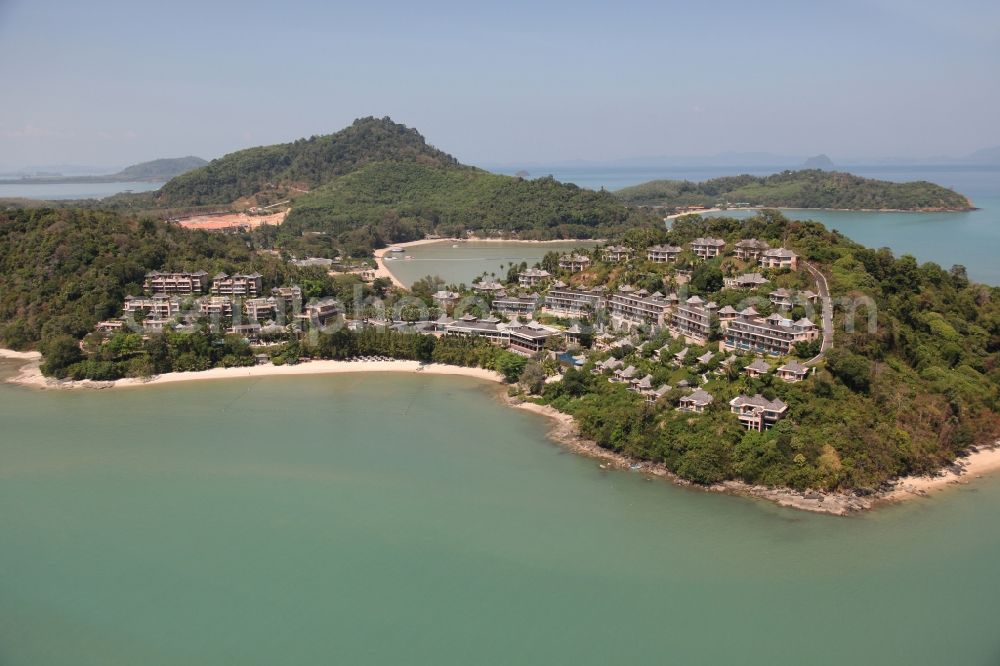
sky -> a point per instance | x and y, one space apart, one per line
111 83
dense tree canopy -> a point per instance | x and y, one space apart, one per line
811 188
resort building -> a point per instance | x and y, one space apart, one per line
260 309
110 326
693 319
607 365
616 253
532 277
793 371
564 300
774 335
249 330
470 325
526 340
288 294
697 401
707 248
574 263
640 385
529 340
809 296
445 298
624 376
745 281
320 312
758 368
727 314
680 356
779 258
781 298
758 413
216 307
175 283
750 249
575 334
244 286
523 305
155 307
491 287
631 306
654 395
157 324
663 254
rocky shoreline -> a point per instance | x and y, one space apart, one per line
982 459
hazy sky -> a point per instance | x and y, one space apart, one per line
111 83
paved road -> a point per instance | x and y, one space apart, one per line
823 289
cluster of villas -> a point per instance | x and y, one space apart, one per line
749 249
702 248
754 412
175 301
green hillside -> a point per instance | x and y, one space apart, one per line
412 197
812 188
162 169
303 164
378 182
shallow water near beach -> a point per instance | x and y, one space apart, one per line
470 259
388 519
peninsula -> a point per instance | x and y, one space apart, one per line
765 352
808 188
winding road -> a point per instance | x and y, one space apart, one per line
823 289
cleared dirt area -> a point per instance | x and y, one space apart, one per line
231 221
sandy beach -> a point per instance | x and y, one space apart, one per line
382 269
981 461
24 356
31 375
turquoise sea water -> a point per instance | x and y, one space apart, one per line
405 519
971 239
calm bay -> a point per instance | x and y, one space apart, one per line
416 519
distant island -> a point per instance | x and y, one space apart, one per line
818 162
155 171
808 188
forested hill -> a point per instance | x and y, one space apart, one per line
810 188
301 165
379 182
161 169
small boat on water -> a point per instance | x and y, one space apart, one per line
389 258
395 248
455 245
408 257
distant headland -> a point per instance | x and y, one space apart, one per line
807 188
